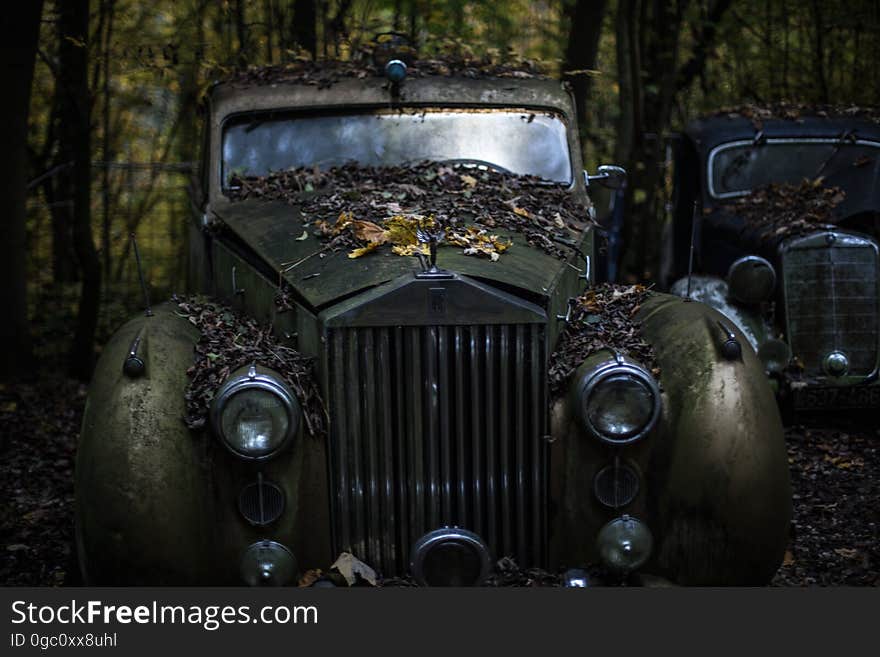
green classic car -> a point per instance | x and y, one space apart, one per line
445 444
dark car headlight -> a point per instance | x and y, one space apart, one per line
751 279
617 400
255 414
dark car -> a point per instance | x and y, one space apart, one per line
785 244
443 386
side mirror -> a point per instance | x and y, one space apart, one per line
607 175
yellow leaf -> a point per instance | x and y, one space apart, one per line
410 249
470 181
364 250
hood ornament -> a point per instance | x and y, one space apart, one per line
431 237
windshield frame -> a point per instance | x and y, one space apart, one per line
411 108
710 160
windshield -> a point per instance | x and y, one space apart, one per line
517 141
738 167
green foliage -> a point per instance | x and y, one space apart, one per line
156 59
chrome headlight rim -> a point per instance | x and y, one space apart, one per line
617 365
255 378
743 263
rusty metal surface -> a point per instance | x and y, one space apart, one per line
716 492
158 504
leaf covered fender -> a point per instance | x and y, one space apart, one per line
140 493
720 497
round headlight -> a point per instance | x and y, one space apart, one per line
618 400
751 279
255 415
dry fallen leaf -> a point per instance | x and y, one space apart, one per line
352 568
309 577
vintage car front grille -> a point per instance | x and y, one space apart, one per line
831 300
438 426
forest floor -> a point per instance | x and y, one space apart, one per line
835 473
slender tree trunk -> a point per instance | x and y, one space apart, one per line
268 15
819 50
304 26
629 103
585 27
20 34
75 137
106 141
241 31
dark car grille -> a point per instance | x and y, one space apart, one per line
436 426
831 299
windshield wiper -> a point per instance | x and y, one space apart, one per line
845 136
741 160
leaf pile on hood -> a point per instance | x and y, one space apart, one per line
230 340
601 318
786 210
361 208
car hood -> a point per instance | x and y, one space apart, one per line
275 232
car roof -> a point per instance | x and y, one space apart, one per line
232 97
709 132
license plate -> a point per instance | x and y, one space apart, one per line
817 397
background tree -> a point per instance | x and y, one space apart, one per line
74 114
113 109
19 39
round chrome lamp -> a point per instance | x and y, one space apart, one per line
268 563
255 414
624 544
836 363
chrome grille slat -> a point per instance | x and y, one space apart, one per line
434 426
831 295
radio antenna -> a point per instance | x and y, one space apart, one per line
137 256
691 257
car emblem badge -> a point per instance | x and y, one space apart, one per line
432 238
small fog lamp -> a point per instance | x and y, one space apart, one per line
624 544
395 71
775 354
267 563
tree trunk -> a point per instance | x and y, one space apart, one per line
106 141
20 34
241 32
304 26
75 138
585 27
629 102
